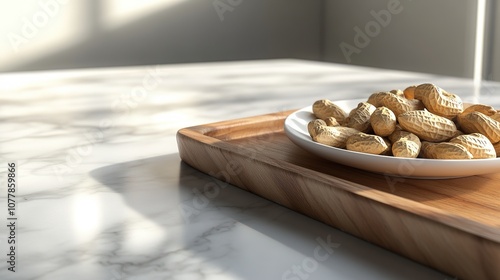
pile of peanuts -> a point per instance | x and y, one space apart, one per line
421 121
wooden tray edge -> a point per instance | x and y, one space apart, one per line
479 245
202 134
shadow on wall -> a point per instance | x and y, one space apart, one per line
194 31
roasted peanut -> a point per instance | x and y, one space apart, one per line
497 148
334 136
383 121
481 123
462 118
399 105
405 149
496 116
458 133
359 118
409 92
367 143
477 144
313 126
397 92
427 126
388 151
331 121
444 150
376 98
325 108
419 121
399 133
485 109
396 103
405 144
438 101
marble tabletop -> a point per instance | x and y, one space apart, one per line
101 192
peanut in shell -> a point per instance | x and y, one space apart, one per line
409 92
359 118
399 134
496 116
396 103
497 148
314 125
438 101
481 123
427 126
477 144
405 144
334 136
325 108
376 98
397 92
405 149
444 150
383 121
485 109
331 121
367 143
400 105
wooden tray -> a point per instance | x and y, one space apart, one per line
452 225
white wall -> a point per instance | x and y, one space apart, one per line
433 36
492 58
93 33
426 35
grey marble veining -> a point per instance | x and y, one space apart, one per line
103 194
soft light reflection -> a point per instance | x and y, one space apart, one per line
119 12
143 236
86 216
479 48
479 45
34 29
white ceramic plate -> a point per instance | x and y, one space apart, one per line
296 130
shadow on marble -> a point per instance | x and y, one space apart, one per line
223 225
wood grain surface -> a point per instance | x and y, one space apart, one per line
452 225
